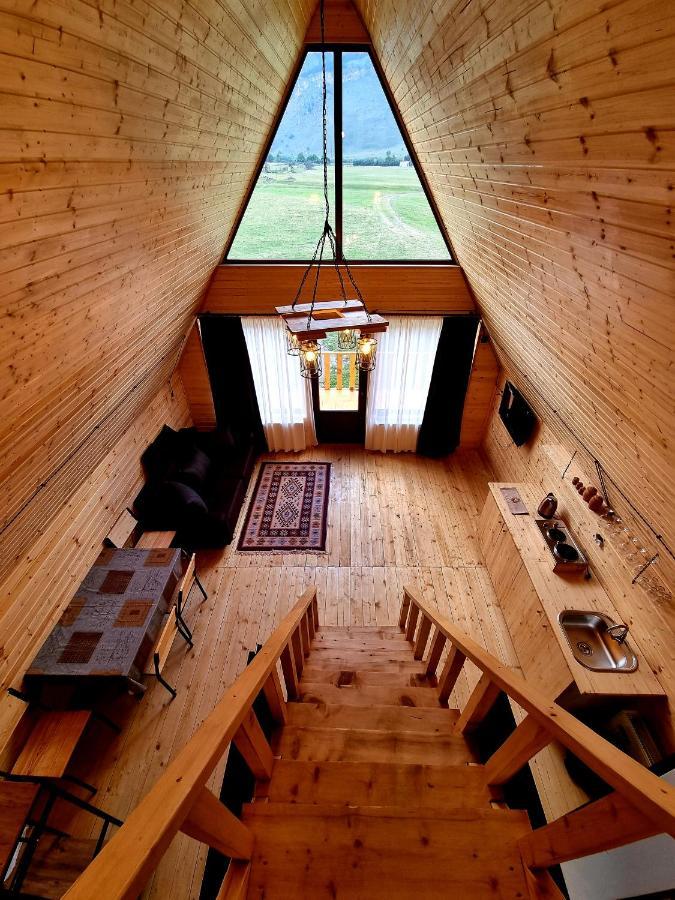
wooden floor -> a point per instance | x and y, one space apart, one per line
393 519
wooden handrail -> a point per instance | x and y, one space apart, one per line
179 800
650 795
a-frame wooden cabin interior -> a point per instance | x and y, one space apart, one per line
271 636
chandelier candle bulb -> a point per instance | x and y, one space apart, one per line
310 360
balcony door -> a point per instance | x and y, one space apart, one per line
339 397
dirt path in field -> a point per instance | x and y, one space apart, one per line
391 219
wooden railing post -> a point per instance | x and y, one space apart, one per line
450 674
412 622
306 639
405 608
251 742
298 652
211 822
275 697
422 637
602 825
517 750
290 672
479 704
435 653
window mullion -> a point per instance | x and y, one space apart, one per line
337 133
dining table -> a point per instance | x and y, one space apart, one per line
108 630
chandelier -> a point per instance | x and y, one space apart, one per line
308 323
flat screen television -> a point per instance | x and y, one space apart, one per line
516 415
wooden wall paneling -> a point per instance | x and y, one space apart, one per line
480 392
343 25
255 290
195 377
546 134
129 133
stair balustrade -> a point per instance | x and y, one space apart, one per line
641 805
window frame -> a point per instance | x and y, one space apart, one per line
337 50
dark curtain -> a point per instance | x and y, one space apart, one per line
231 378
439 433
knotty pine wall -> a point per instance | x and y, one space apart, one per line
546 131
128 133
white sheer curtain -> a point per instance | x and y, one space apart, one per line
284 396
398 388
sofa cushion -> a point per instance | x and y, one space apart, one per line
193 470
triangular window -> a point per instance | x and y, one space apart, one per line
381 211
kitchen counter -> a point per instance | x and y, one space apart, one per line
532 595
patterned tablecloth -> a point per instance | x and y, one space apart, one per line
114 618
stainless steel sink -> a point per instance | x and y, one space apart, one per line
592 645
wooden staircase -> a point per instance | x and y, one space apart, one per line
373 793
370 788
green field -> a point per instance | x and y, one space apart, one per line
386 215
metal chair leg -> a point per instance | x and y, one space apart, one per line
161 680
201 588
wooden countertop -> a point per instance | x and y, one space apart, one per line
560 591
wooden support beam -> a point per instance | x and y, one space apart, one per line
275 697
437 646
290 672
517 750
235 882
251 742
210 822
478 705
603 825
449 675
314 607
412 623
422 637
405 609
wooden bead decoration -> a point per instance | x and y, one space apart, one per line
580 486
589 492
597 504
575 480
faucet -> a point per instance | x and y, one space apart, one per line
618 632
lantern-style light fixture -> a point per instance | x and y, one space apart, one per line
347 339
292 343
310 359
366 351
306 322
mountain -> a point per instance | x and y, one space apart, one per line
369 126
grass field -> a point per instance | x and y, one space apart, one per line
386 215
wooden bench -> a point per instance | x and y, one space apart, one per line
124 531
175 624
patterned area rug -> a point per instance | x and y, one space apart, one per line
289 508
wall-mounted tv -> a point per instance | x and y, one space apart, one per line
516 415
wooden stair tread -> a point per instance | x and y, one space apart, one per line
371 745
358 630
393 718
376 784
369 695
361 656
403 675
333 852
